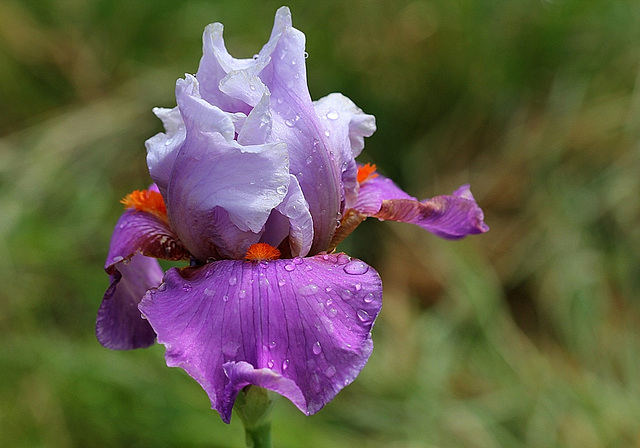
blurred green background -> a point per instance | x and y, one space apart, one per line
528 336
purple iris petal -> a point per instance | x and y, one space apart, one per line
163 147
141 232
119 325
214 171
301 326
347 126
450 216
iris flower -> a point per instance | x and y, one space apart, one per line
256 184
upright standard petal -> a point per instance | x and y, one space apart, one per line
347 125
300 327
119 325
213 171
163 147
449 216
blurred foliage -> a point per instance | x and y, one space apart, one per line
528 336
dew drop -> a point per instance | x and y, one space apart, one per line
252 87
346 294
363 316
327 289
298 260
332 115
356 267
309 160
281 282
325 257
327 133
368 298
329 301
186 287
330 372
234 280
358 286
308 290
281 189
306 55
289 123
293 62
285 364
168 142
242 294
256 56
289 267
209 292
308 267
272 345
225 298
317 348
331 312
270 363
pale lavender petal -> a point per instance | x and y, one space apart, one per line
347 126
211 172
301 327
296 123
300 229
215 64
138 232
119 324
163 147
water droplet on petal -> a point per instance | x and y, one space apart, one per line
346 294
327 289
225 298
281 189
308 267
289 267
309 160
298 260
363 316
272 344
252 87
186 287
368 298
209 292
329 301
331 312
285 364
332 115
358 286
356 267
168 142
233 281
242 294
281 282
308 290
330 372
317 348
256 56
306 55
270 363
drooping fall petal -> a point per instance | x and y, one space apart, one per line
301 326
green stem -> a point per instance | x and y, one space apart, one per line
253 406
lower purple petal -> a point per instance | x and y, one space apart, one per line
119 325
300 327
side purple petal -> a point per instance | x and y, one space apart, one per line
119 324
300 327
143 233
450 216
